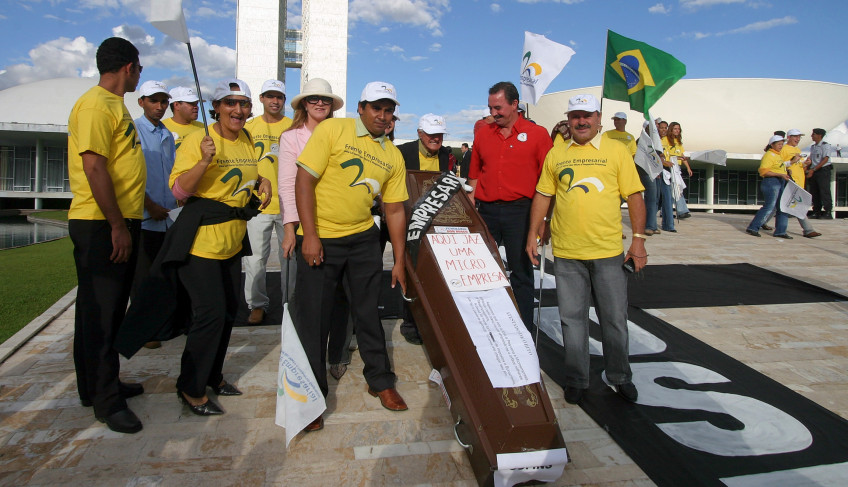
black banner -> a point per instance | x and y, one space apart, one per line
426 208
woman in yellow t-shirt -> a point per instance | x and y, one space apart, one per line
774 175
221 167
674 148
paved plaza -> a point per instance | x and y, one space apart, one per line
48 438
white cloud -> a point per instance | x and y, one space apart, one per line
59 58
659 9
495 7
695 4
424 13
567 2
388 48
414 58
60 19
211 12
383 30
745 29
435 47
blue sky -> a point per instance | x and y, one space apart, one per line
442 55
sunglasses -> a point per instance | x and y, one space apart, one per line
231 102
314 99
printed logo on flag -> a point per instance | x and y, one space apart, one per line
530 72
294 381
580 184
633 69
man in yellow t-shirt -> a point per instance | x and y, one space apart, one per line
265 130
589 175
796 165
619 120
424 154
184 109
343 167
107 175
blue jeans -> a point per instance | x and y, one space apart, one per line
772 189
682 208
650 199
577 281
666 208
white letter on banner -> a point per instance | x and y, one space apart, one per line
767 430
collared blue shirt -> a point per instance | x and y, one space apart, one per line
157 144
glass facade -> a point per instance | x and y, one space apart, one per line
17 169
293 48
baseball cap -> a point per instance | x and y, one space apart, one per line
522 107
222 89
150 88
432 124
273 85
793 132
586 103
620 115
183 93
775 138
379 90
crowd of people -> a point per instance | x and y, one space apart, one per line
333 191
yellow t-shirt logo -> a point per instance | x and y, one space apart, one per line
236 173
371 185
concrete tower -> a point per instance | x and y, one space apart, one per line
325 46
260 34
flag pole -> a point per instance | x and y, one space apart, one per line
197 85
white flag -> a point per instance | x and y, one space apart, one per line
168 17
795 201
299 399
542 61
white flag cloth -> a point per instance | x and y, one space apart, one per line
168 17
717 157
299 399
646 157
542 62
795 201
678 186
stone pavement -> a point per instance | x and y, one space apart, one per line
48 438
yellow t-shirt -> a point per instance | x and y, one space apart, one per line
675 150
352 169
589 182
624 138
427 163
266 139
100 123
229 178
796 170
772 161
179 131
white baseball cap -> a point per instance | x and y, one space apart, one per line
379 90
585 103
183 93
793 132
775 138
432 124
273 85
150 88
223 89
620 115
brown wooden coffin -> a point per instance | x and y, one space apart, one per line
489 420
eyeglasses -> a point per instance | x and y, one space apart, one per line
231 102
314 99
139 66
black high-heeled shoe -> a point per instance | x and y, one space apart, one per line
208 408
226 389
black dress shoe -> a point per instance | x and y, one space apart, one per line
125 389
627 391
226 389
573 395
124 421
208 408
410 333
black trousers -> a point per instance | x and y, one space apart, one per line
150 243
355 260
213 287
509 223
103 290
820 190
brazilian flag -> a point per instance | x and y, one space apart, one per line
638 73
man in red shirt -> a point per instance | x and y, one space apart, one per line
505 166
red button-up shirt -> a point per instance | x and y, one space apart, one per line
507 169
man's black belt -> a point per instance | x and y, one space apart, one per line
504 202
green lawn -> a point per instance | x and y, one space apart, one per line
32 278
61 215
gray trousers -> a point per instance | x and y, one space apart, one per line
577 282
